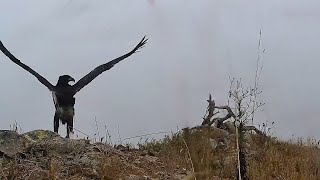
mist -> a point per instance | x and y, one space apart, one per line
193 48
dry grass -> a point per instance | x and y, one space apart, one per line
201 154
193 151
268 158
276 159
110 168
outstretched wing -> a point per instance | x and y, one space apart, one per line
100 69
18 62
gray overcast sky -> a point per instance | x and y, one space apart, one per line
193 47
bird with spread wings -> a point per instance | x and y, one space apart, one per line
63 93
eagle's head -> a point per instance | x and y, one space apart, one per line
64 80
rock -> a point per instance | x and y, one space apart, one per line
40 135
151 158
10 143
45 152
121 147
230 127
220 143
147 152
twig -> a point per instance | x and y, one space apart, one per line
31 173
253 111
95 120
145 135
4 176
221 120
120 141
107 134
192 167
257 76
238 151
81 132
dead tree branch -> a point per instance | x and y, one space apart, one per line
220 120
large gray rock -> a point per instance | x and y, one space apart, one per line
10 143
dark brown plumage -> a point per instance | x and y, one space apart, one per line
63 93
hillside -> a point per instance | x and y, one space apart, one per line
204 153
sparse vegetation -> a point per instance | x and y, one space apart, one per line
223 147
268 157
202 153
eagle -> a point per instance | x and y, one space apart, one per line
63 93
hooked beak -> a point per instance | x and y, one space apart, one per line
71 79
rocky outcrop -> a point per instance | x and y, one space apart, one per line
43 154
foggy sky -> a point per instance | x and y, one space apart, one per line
193 47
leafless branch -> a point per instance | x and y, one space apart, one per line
220 120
